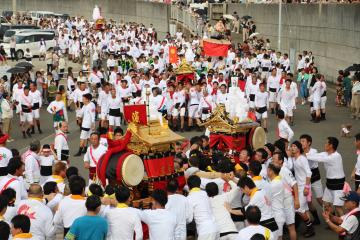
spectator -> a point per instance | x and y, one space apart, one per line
347 88
7 115
13 49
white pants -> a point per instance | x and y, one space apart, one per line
263 115
302 200
36 113
84 135
26 117
323 102
176 112
193 111
280 224
333 196
316 104
289 210
288 110
317 189
272 96
114 121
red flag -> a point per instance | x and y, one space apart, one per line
216 48
135 113
173 57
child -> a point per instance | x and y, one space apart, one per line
52 91
47 159
28 55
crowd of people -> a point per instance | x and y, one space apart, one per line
41 192
266 194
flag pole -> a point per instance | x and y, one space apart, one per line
148 107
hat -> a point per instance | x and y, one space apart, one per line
351 196
3 138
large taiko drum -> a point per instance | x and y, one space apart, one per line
256 138
123 167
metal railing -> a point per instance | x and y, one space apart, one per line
187 19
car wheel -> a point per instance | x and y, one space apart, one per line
19 54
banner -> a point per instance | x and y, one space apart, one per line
135 113
173 57
216 48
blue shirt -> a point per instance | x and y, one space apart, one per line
88 228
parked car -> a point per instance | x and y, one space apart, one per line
31 40
11 32
6 26
36 15
62 16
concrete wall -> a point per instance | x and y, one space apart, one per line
119 10
330 31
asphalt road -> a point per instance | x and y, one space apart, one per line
336 116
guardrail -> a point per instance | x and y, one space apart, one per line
187 19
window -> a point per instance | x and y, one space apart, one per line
27 39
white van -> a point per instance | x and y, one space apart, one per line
36 15
31 40
11 32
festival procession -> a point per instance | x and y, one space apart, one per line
181 137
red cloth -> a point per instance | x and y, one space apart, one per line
226 187
145 230
114 147
130 110
92 173
159 167
185 77
225 142
241 85
215 49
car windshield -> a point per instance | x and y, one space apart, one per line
9 33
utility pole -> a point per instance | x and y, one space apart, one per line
279 25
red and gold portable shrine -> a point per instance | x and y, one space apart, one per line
230 135
144 159
185 72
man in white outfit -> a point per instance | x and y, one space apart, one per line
178 205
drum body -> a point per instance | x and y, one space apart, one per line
123 167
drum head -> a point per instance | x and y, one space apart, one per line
258 138
132 170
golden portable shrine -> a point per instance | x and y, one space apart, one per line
230 134
185 72
143 160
